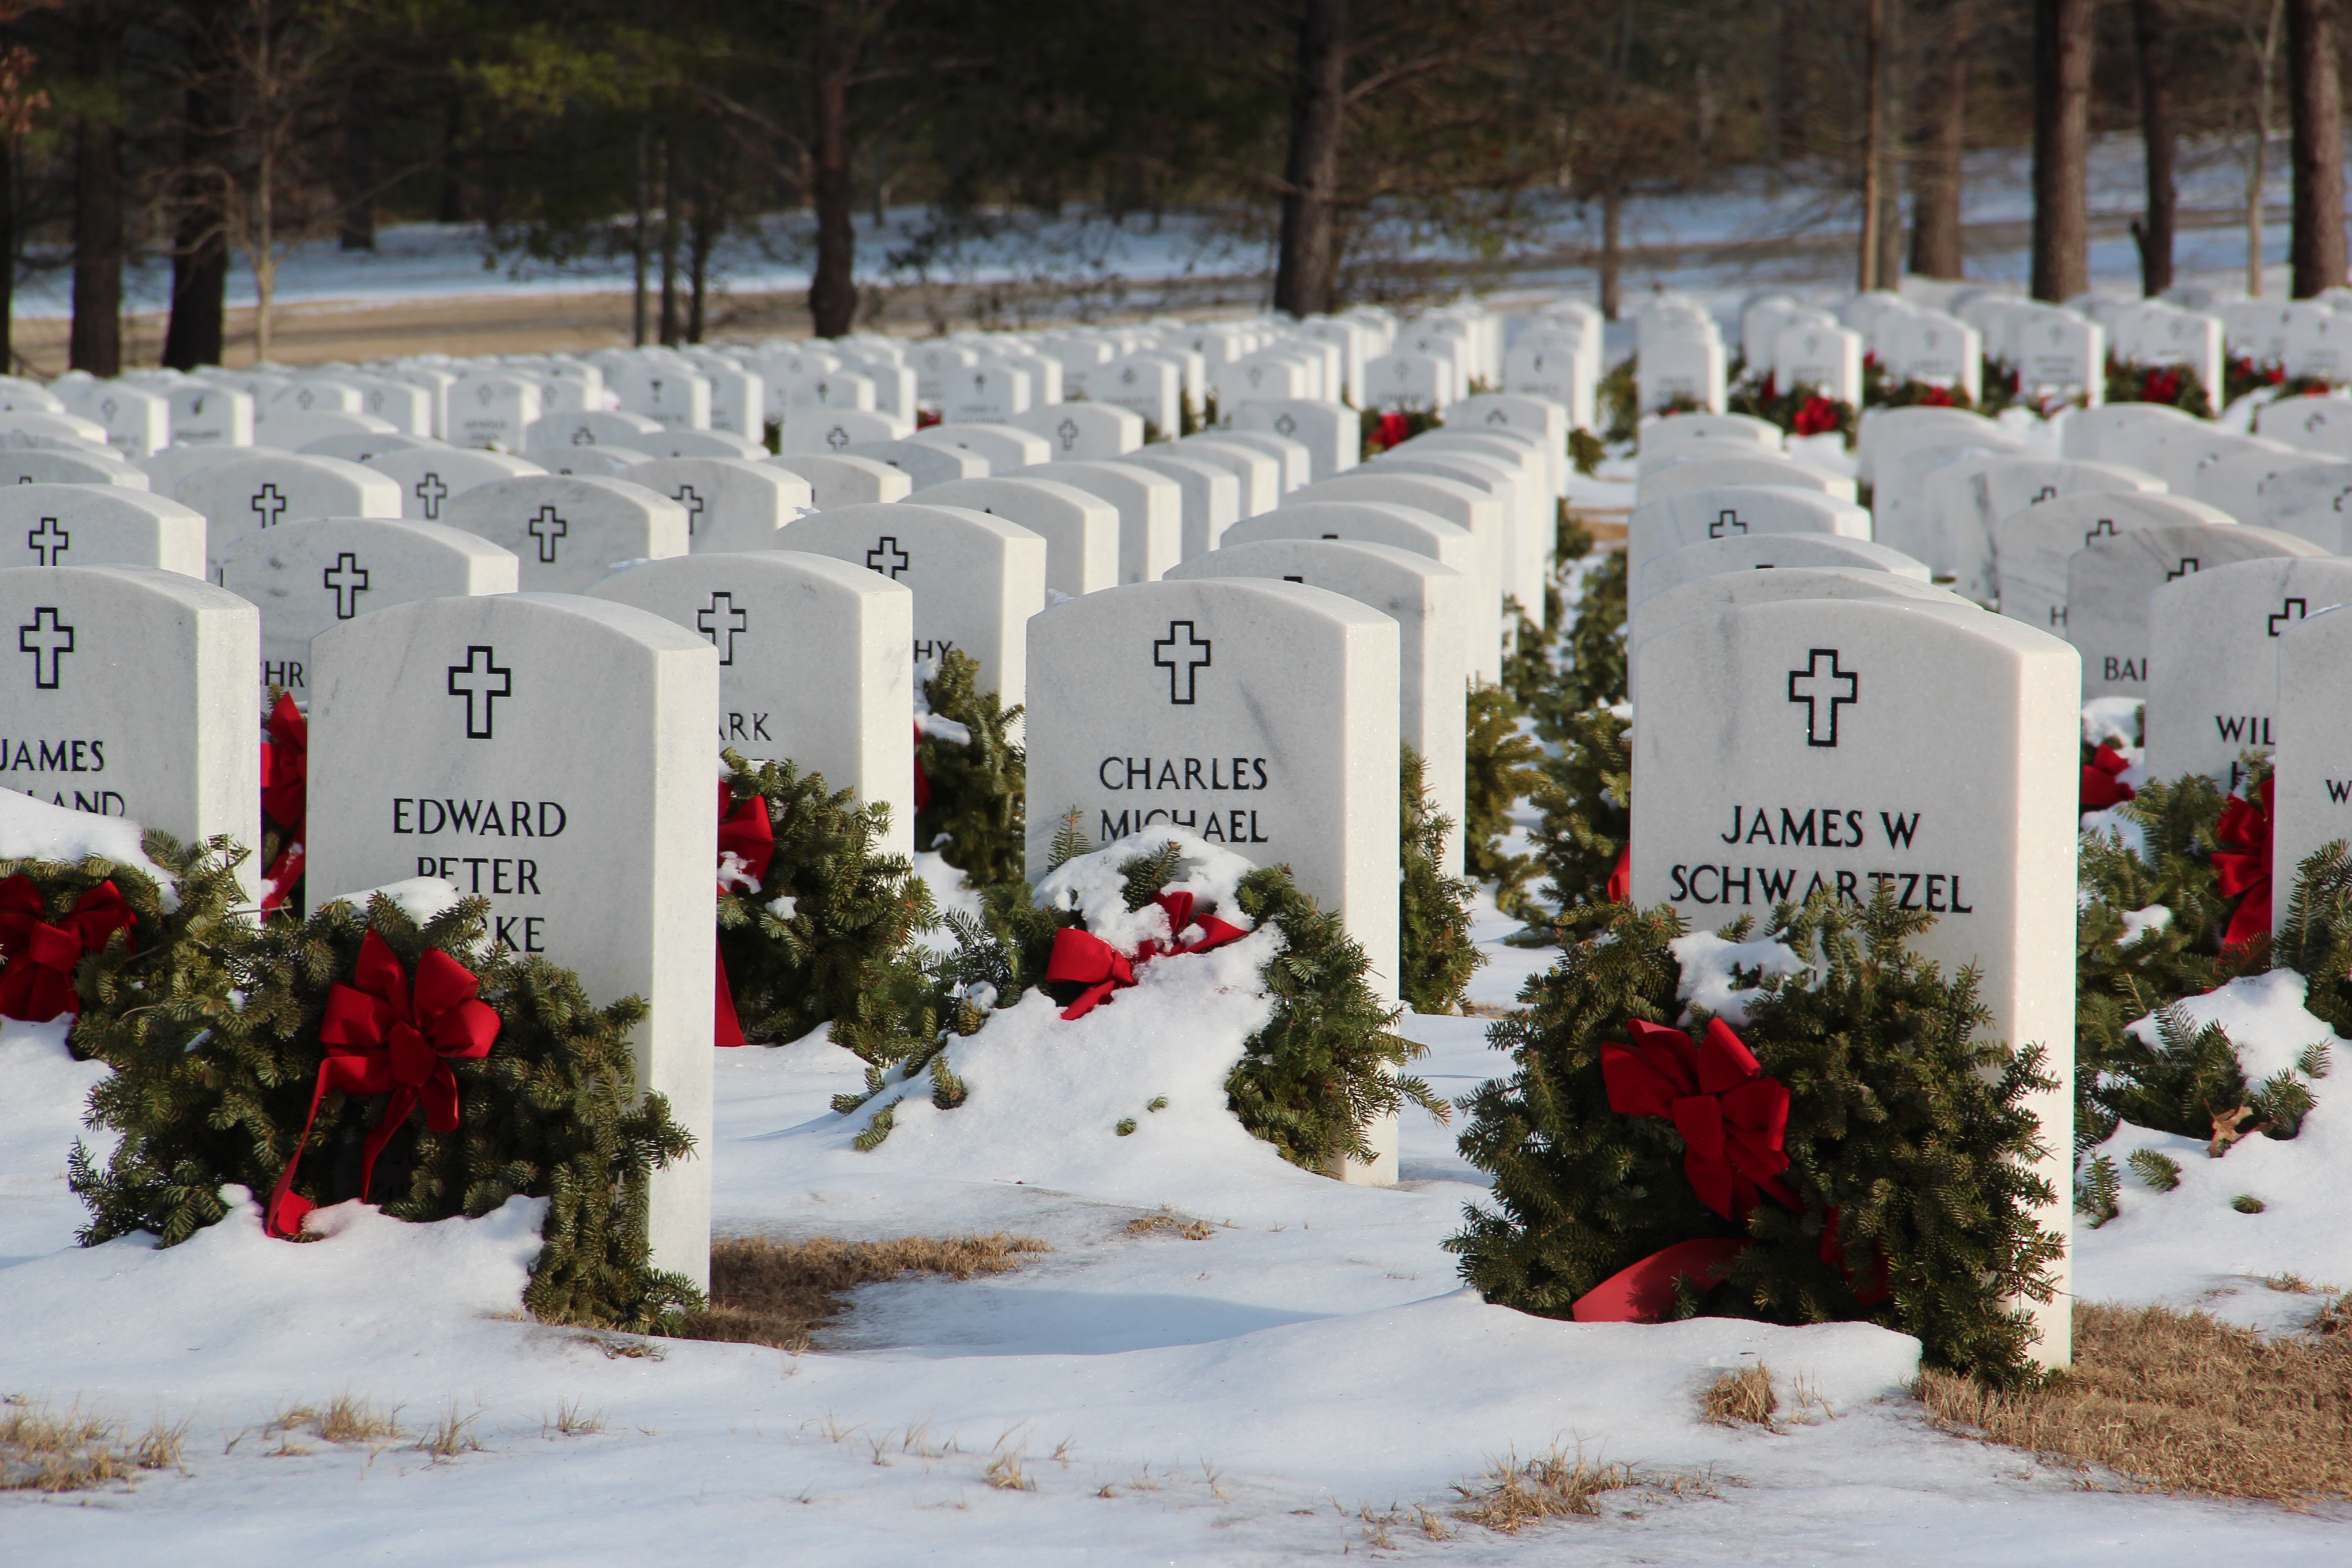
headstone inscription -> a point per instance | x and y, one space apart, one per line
205 414
814 663
1964 501
1080 432
99 525
1704 596
1149 385
1430 606
446 740
2034 543
309 576
1080 530
2110 581
1767 552
1850 746
977 579
731 503
2214 638
494 411
1259 715
245 494
131 695
568 532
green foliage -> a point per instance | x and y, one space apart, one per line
2099 1191
1592 654
1902 1117
2160 1171
1585 450
1618 398
213 1089
2176 385
1368 424
2316 938
1324 1069
1497 770
1586 796
974 819
2246 1203
1799 410
2190 1081
842 954
1433 917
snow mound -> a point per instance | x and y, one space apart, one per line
2262 1015
1048 1096
34 830
1708 961
40 1117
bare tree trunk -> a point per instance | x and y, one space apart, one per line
2153 233
639 238
702 237
2316 105
832 290
1613 253
359 174
263 253
1893 148
453 160
669 322
95 342
1306 273
1935 179
2259 158
1873 138
2062 144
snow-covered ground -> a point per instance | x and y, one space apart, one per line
1294 1387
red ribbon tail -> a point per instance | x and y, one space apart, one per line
1643 1292
1088 1000
726 1028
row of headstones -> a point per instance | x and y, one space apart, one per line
552 751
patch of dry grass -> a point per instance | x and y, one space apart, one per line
347 1419
2181 1402
453 1434
780 1293
1552 1486
1168 1222
1742 1398
74 1452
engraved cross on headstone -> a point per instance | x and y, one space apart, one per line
836 437
346 580
2188 564
2103 529
547 528
693 504
481 681
268 505
1823 695
887 558
2288 610
1181 661
48 642
49 541
432 492
1726 520
1068 431
721 616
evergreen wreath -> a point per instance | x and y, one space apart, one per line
167 957
1593 651
1903 1122
1587 800
827 935
1435 944
216 1059
974 817
1497 769
2180 386
1311 1082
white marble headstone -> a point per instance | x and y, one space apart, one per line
99 525
1660 527
1212 494
1846 745
307 576
1081 531
2109 584
1403 527
2214 638
129 693
430 476
1150 507
447 738
1332 431
814 663
2034 543
1082 431
731 503
923 465
243 494
568 532
1767 552
835 480
977 579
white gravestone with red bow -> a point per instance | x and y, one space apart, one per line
129 692
1845 746
307 577
1258 714
446 740
813 664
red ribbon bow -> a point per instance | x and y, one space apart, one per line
744 832
285 789
2103 785
1085 958
1731 1115
37 985
1620 879
2245 866
385 1035
1392 431
1815 417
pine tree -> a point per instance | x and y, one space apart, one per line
1587 801
1902 1119
975 818
1496 771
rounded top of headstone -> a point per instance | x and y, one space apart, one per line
781 571
1769 552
